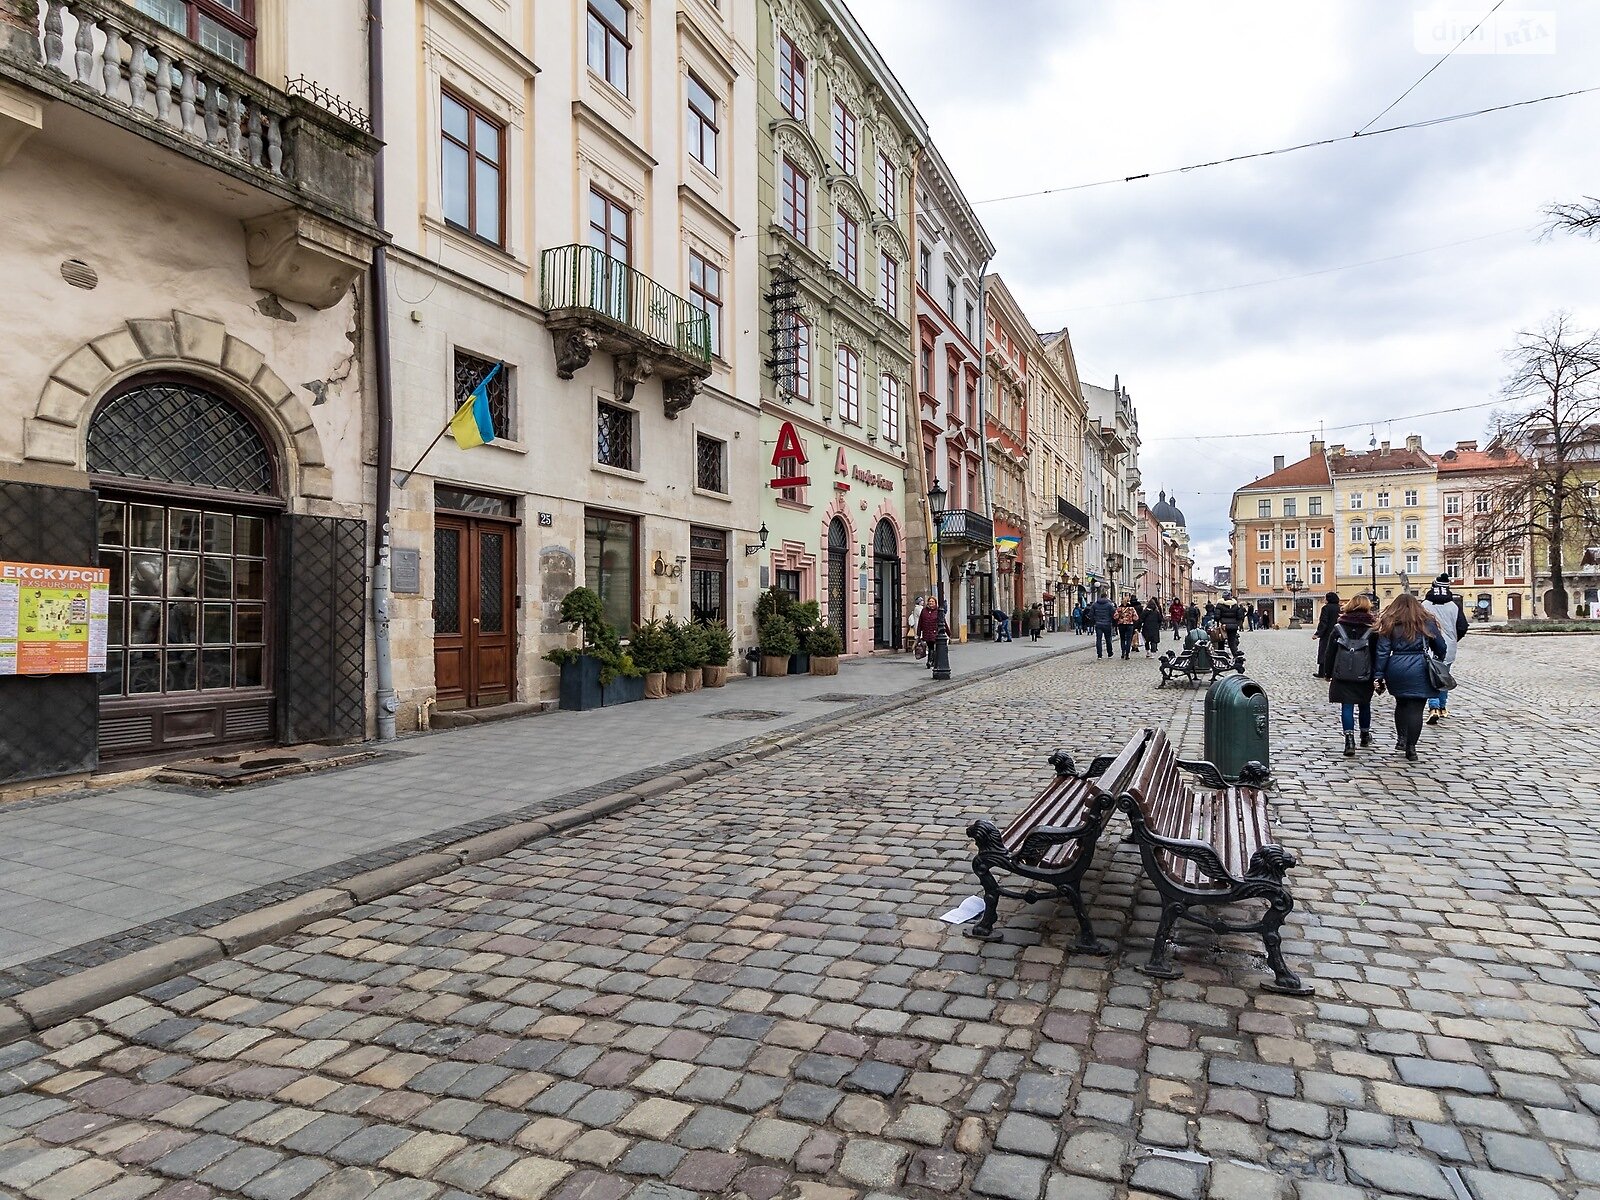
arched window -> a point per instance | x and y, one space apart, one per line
838 571
886 586
169 431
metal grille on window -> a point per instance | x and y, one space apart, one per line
470 372
615 437
447 581
491 582
708 463
176 433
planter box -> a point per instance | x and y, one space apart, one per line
774 664
691 679
800 664
655 685
622 690
821 665
715 677
675 682
580 684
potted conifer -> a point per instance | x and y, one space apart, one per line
778 643
804 617
652 650
675 664
719 650
692 649
596 672
824 646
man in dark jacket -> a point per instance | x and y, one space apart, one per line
1231 615
1191 616
1326 620
1100 615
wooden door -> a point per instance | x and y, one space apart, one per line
473 597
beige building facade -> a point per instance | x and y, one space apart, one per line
182 389
1055 452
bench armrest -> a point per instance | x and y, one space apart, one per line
1206 772
1200 852
1098 767
1048 837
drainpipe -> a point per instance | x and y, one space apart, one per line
983 426
387 702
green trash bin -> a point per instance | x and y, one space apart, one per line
1236 727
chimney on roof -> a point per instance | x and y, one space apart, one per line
1414 442
1383 447
1336 450
1277 462
1316 447
1472 445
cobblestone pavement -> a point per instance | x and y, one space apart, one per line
742 989
94 875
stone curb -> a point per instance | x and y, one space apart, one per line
61 1000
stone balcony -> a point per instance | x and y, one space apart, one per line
102 82
595 302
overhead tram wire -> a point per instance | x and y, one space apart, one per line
1217 437
1431 70
1333 141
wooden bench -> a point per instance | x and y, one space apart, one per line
1207 847
1053 841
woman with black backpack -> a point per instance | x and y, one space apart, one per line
1352 666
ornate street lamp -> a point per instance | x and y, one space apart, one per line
1372 554
1295 588
940 650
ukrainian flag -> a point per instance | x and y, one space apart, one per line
1007 543
473 425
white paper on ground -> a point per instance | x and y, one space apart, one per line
965 911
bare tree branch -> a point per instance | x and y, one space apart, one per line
1581 217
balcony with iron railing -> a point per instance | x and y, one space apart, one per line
105 82
1074 516
596 302
962 526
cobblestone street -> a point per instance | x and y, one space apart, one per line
742 988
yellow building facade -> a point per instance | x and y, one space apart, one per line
1393 493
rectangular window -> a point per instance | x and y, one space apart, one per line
1452 537
1358 565
1383 564
802 358
1411 531
610 230
924 268
608 42
1452 568
610 564
1289 506
950 382
1314 506
795 209
470 371
926 361
614 442
710 472
889 409
1380 533
1383 499
1264 575
888 284
1411 497
787 582
1357 500
1316 539
970 314
1291 541
950 298
705 293
887 191
1358 533
702 125
1316 573
1452 505
1263 541
1263 508
844 138
472 148
1514 566
1481 502
1413 564
847 254
1485 568
790 467
224 27
791 79
848 385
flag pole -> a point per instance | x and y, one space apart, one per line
404 477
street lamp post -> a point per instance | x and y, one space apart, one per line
940 650
1372 554
1295 588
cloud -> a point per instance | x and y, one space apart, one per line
1051 94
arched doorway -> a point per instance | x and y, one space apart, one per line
886 600
188 497
838 581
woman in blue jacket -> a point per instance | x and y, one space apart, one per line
1407 632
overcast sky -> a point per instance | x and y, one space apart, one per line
1028 94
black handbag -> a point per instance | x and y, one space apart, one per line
1439 677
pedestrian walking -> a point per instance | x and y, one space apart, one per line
1191 617
1127 621
1326 620
1152 627
1102 615
1445 607
930 625
913 623
1077 618
1175 613
1231 615
1352 669
1210 616
1407 633
1035 622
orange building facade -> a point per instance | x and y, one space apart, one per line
1283 538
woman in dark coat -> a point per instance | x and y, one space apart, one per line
1151 620
1352 683
1406 633
1326 620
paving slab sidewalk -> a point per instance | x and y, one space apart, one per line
92 875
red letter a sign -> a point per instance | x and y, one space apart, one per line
789 457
